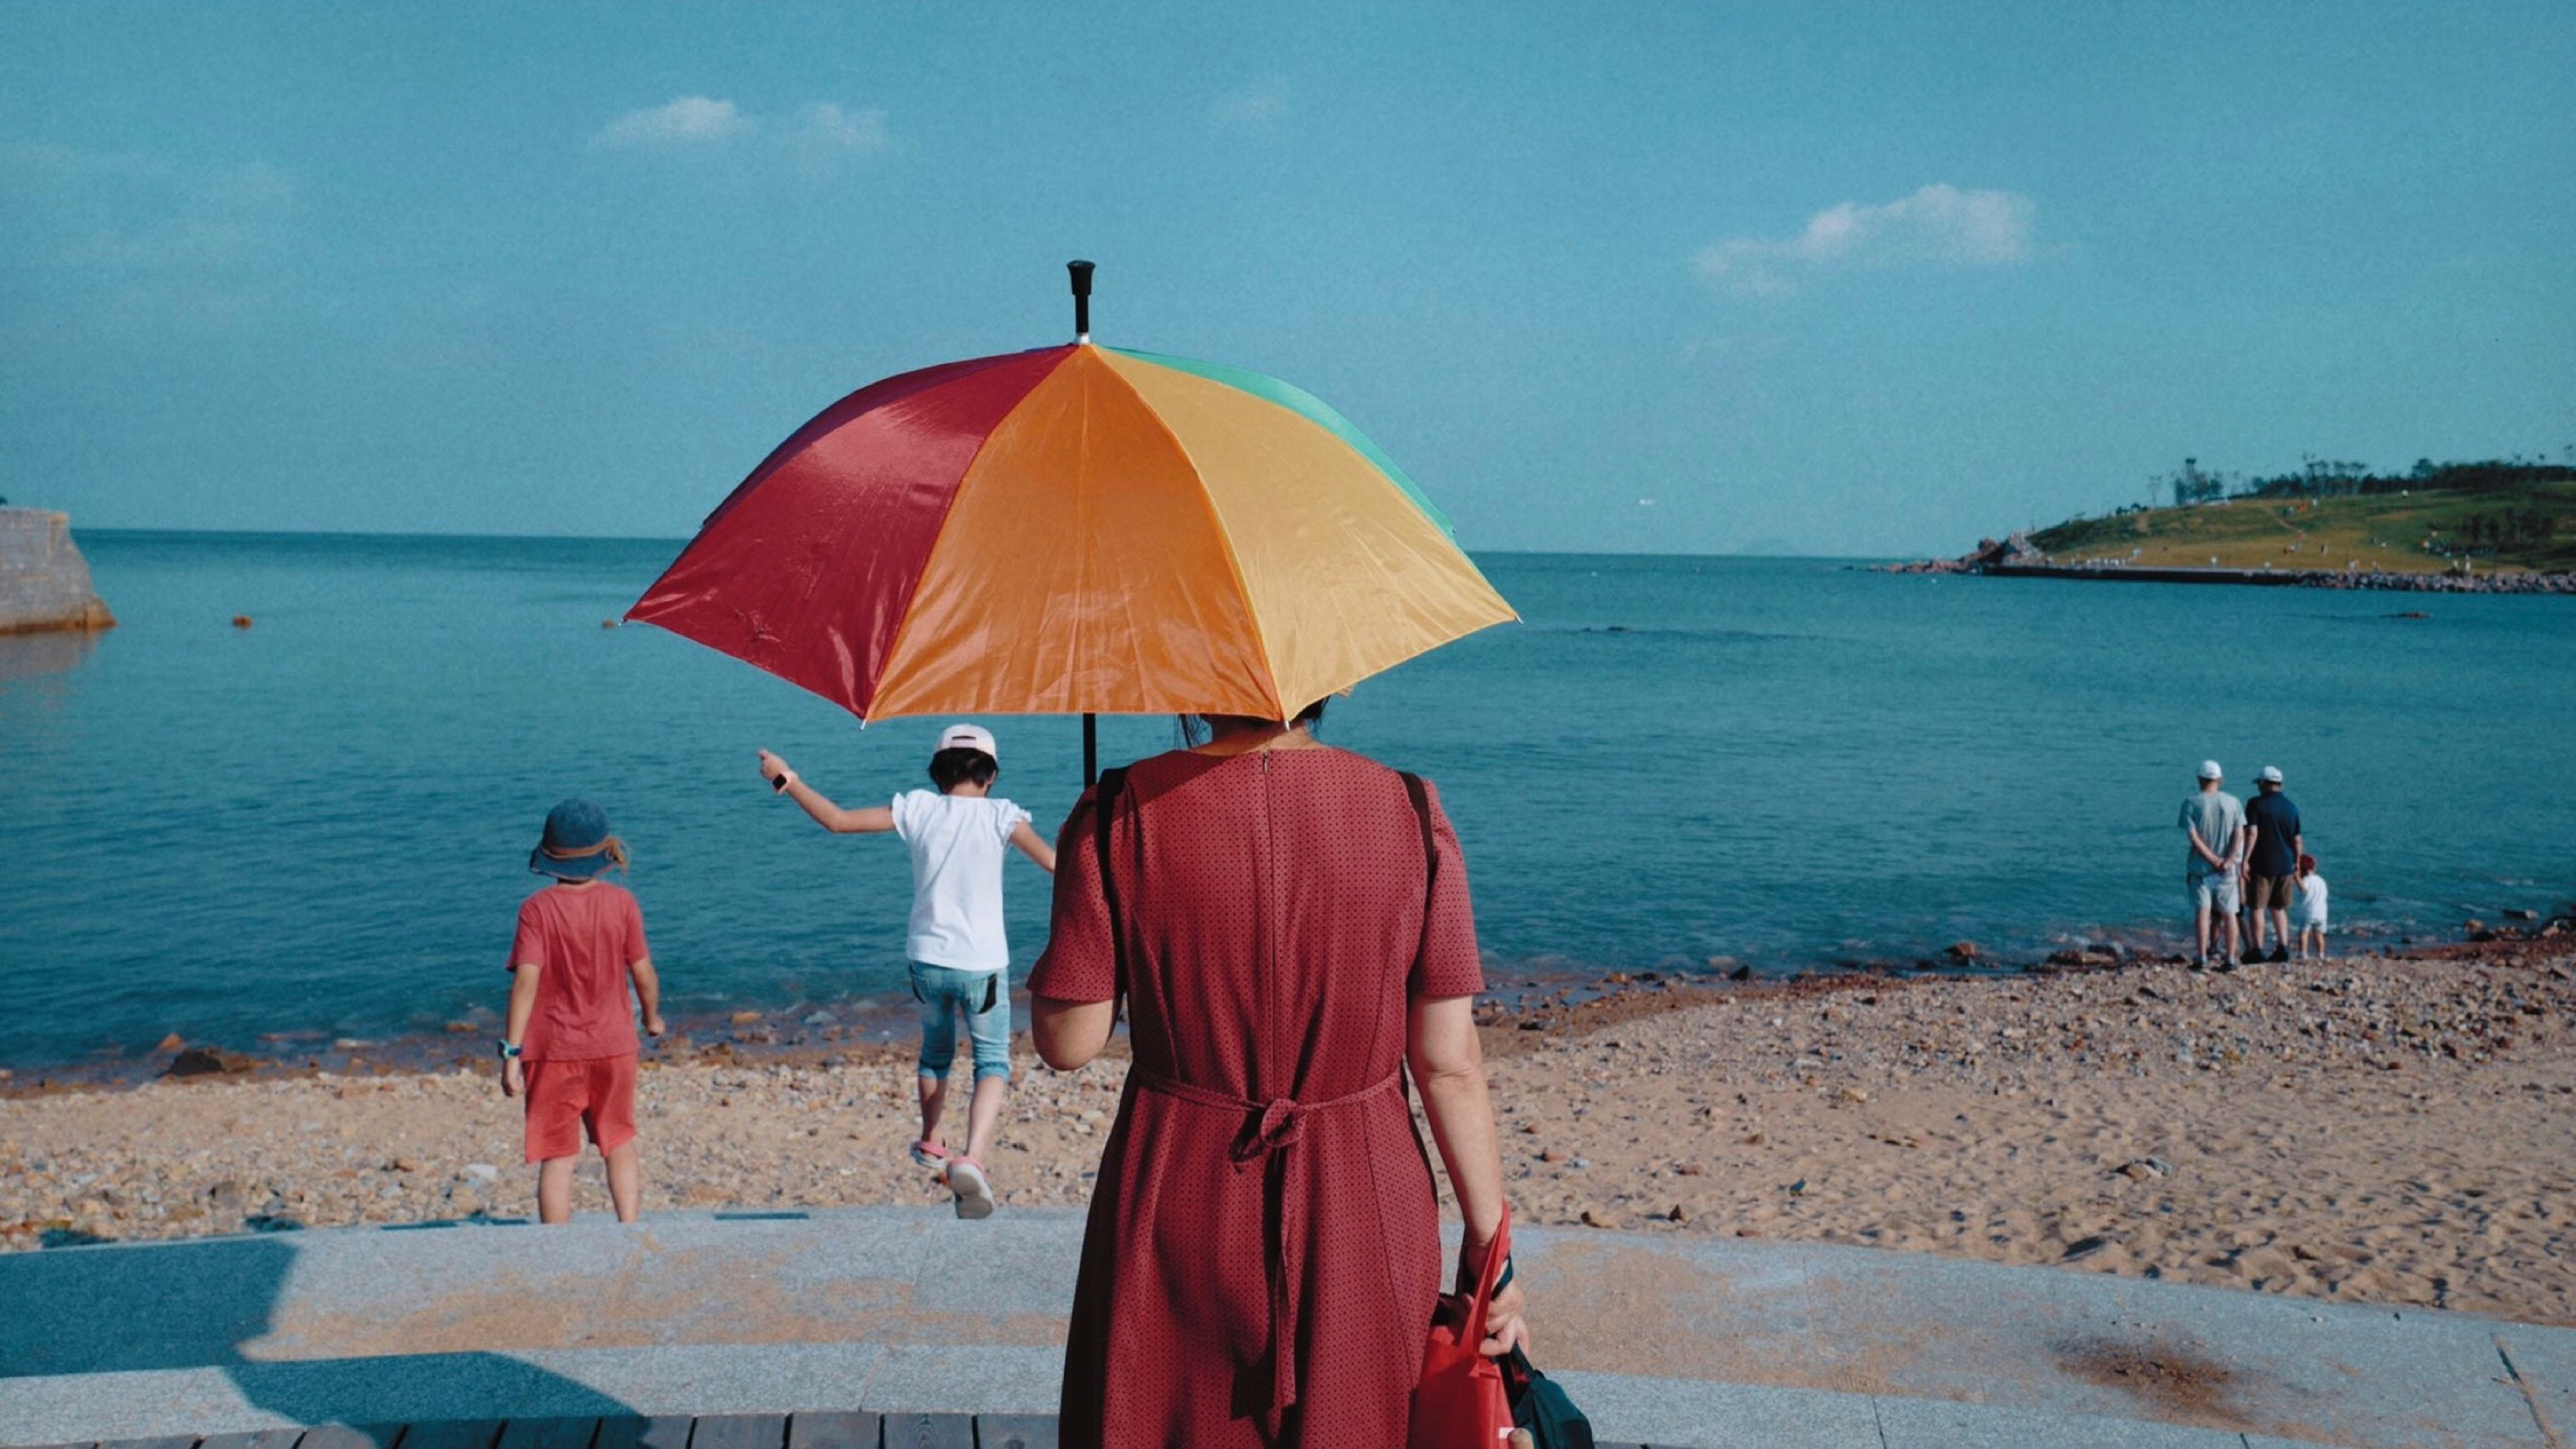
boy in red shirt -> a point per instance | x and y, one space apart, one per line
570 1044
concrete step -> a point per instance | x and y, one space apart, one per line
1672 1338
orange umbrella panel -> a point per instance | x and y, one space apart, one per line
1074 530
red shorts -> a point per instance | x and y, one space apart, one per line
567 1099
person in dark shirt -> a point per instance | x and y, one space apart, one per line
2272 865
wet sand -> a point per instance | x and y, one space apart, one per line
2389 1130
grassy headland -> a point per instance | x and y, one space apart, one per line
2523 525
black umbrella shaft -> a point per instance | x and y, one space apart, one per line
1090 750
1081 274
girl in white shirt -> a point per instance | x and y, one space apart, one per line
959 957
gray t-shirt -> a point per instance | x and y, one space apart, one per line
2220 818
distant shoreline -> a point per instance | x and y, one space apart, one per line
2288 578
2014 557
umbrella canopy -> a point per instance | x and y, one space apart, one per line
1072 530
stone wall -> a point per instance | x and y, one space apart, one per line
44 581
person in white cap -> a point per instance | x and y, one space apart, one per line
2215 821
2272 864
960 958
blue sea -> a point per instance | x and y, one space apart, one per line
317 827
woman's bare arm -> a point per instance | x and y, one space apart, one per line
1448 1062
1070 1033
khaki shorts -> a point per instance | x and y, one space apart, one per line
2271 892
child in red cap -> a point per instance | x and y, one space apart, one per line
570 1043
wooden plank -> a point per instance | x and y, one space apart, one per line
262 1439
174 1441
451 1434
929 1431
543 1434
349 1436
740 1431
1015 1431
833 1431
84 1444
666 1432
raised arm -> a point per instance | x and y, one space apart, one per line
870 820
1448 1062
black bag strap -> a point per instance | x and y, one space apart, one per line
1430 871
1103 798
1421 799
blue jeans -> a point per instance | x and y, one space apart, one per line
983 998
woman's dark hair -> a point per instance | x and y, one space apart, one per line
1194 727
957 765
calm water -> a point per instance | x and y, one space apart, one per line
321 823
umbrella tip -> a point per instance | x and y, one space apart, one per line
1081 274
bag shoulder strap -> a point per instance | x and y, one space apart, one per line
1421 799
1104 799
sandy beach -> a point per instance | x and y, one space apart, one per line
2389 1130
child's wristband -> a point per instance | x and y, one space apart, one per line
509 1050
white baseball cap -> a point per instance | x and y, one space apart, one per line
969 737
2269 775
2209 770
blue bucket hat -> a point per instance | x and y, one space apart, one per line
577 845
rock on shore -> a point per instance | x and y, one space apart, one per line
44 581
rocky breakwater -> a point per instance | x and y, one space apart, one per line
2012 549
2016 557
44 581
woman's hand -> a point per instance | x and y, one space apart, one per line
773 769
1505 1329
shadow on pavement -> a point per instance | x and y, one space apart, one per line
193 1305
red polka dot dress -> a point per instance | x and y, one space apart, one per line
1263 1251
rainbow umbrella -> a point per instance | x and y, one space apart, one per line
1074 530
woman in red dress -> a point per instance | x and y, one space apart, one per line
1289 928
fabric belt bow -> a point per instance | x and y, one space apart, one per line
1271 1128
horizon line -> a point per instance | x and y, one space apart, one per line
680 541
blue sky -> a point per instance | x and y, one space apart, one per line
1868 279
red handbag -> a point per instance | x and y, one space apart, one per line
1460 1402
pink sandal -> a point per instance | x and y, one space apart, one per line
974 1190
931 1155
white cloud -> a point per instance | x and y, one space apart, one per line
688 121
1258 104
827 126
814 133
122 211
1939 224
